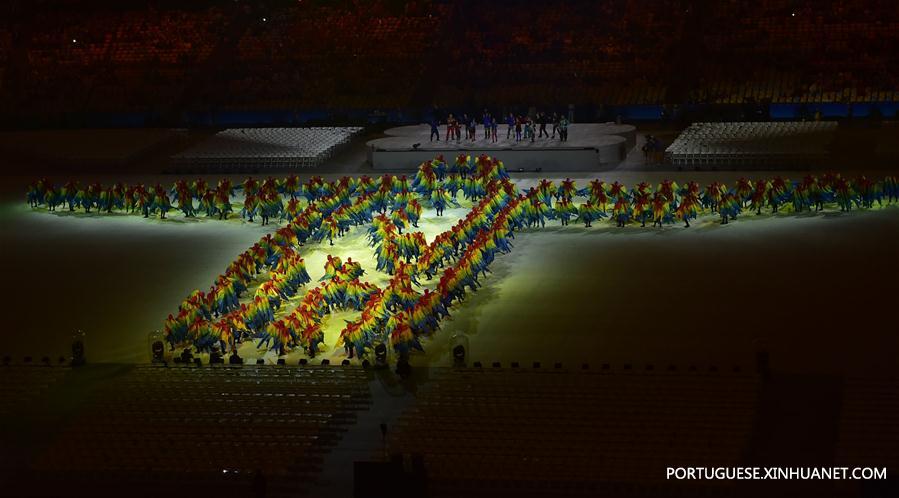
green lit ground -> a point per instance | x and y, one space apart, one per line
701 296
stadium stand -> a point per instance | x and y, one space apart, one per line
206 428
763 144
869 428
23 385
784 51
547 431
393 54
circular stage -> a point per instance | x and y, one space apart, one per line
590 147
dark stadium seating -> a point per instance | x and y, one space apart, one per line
395 54
548 429
206 427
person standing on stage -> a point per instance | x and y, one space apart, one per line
510 121
473 129
555 124
563 129
493 127
486 119
465 122
435 132
542 119
450 127
518 122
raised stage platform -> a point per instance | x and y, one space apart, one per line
590 147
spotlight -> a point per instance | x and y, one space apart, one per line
74 40
326 362
264 19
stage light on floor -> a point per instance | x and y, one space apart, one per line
187 356
156 343
381 355
459 356
460 350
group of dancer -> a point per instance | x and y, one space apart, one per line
668 202
259 297
217 320
519 127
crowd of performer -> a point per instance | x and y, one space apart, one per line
249 301
518 127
